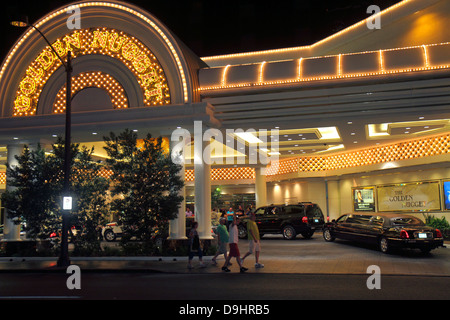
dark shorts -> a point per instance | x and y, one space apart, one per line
234 250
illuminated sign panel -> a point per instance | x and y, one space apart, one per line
94 41
421 196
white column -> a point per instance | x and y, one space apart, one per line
177 226
202 170
260 188
11 230
334 199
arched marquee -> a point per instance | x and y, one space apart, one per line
119 48
94 41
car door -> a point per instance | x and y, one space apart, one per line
361 228
271 221
341 227
349 228
375 228
259 218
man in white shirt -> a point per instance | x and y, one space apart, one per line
234 249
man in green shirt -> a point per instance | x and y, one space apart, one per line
254 245
222 240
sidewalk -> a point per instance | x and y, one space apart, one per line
438 264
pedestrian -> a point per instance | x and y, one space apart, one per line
222 239
230 214
195 246
254 244
189 212
234 249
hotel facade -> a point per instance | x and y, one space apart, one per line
359 121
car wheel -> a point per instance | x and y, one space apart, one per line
384 245
109 235
289 232
327 235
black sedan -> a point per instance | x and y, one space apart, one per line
388 230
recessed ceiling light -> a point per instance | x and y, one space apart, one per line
352 133
421 118
94 133
349 122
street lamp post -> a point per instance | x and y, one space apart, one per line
63 260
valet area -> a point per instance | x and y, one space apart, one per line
356 122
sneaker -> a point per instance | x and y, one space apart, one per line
259 265
243 269
190 266
214 262
225 269
202 265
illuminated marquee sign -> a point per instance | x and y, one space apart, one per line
96 41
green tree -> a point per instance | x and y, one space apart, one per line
36 180
145 184
37 195
92 208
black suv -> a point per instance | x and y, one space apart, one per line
289 220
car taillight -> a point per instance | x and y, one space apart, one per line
305 219
404 234
438 233
53 234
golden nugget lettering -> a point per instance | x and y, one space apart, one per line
135 55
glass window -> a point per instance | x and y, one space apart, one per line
342 219
294 209
363 219
408 221
352 219
314 211
260 211
377 220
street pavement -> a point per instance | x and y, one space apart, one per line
300 256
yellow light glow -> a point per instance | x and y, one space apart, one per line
261 73
248 137
93 80
381 70
329 133
116 44
22 101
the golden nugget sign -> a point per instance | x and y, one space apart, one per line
101 41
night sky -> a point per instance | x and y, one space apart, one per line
213 27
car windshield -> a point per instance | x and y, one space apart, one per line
408 221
